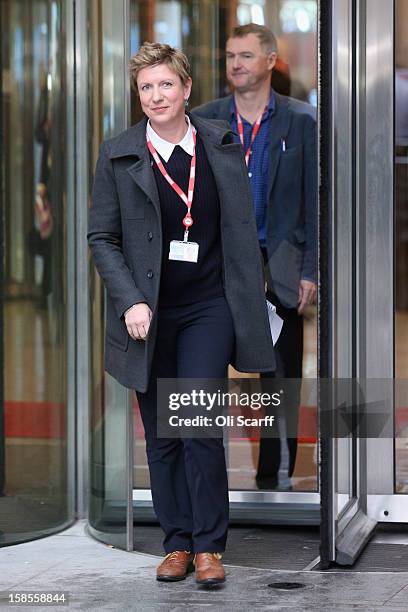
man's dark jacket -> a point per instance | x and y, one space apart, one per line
291 222
125 237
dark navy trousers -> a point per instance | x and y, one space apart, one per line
289 358
188 476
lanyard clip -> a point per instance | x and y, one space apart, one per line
185 239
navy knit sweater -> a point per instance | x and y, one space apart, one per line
185 282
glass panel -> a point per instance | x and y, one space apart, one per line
401 242
201 28
109 401
295 74
33 471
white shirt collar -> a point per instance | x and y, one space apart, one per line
166 148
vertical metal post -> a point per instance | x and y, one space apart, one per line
70 258
362 253
377 258
2 207
129 428
82 332
325 341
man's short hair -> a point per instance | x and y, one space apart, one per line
266 37
152 54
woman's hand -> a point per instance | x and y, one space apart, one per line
137 319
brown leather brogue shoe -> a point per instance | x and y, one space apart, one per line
175 566
209 569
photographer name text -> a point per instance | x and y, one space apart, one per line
221 421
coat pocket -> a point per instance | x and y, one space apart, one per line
298 150
285 265
116 331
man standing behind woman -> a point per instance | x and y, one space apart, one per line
278 135
173 236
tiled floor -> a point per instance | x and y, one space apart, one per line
98 577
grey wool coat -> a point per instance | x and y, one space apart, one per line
125 237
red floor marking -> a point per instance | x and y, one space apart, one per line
35 420
401 419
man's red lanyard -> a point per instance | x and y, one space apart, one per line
254 132
187 199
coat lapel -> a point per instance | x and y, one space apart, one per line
212 135
142 173
279 128
132 143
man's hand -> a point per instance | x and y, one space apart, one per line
307 294
137 319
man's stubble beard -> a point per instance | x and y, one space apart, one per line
251 87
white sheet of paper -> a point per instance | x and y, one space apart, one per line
275 322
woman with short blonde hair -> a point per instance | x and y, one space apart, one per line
151 54
174 238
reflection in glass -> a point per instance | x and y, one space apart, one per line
168 23
109 401
401 242
34 468
298 15
249 11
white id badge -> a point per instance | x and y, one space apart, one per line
183 251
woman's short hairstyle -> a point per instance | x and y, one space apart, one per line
266 36
151 54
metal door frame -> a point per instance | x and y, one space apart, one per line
358 479
256 506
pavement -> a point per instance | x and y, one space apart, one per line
95 576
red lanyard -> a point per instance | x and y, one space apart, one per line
254 132
187 199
